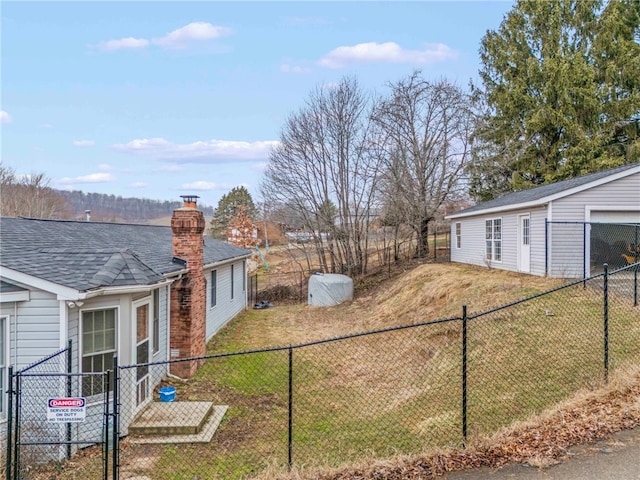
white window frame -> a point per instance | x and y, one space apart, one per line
213 288
493 237
4 368
142 384
458 232
81 336
155 322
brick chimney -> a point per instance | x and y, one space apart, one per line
188 295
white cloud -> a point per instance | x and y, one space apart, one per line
286 68
91 178
138 185
83 143
209 151
5 117
199 185
128 43
179 38
192 32
388 52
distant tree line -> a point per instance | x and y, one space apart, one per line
31 196
114 207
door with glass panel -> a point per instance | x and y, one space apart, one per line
142 312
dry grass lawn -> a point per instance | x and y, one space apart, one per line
396 395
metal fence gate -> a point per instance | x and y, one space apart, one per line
54 414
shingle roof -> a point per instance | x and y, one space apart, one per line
88 255
544 191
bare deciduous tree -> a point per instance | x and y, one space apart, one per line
29 196
324 166
426 130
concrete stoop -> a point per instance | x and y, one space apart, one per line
177 422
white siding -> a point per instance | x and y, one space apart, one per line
537 232
567 248
472 248
34 327
226 307
624 192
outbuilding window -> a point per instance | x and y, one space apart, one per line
493 238
458 235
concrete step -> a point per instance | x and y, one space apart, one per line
171 418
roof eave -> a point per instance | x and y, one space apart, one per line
549 198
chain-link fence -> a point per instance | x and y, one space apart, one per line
289 283
381 393
579 249
55 415
370 395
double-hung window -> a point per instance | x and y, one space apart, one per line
458 234
98 347
214 287
493 238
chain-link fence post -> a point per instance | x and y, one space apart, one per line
606 322
546 247
464 375
9 422
635 270
16 429
584 254
116 419
69 395
290 406
106 379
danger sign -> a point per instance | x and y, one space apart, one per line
66 409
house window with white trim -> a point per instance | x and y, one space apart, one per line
4 348
214 287
493 238
458 235
98 347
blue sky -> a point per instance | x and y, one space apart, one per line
158 99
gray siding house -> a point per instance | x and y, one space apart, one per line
547 230
113 289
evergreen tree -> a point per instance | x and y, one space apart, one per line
228 208
562 90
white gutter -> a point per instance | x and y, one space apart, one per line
503 208
120 290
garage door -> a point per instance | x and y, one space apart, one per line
610 243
